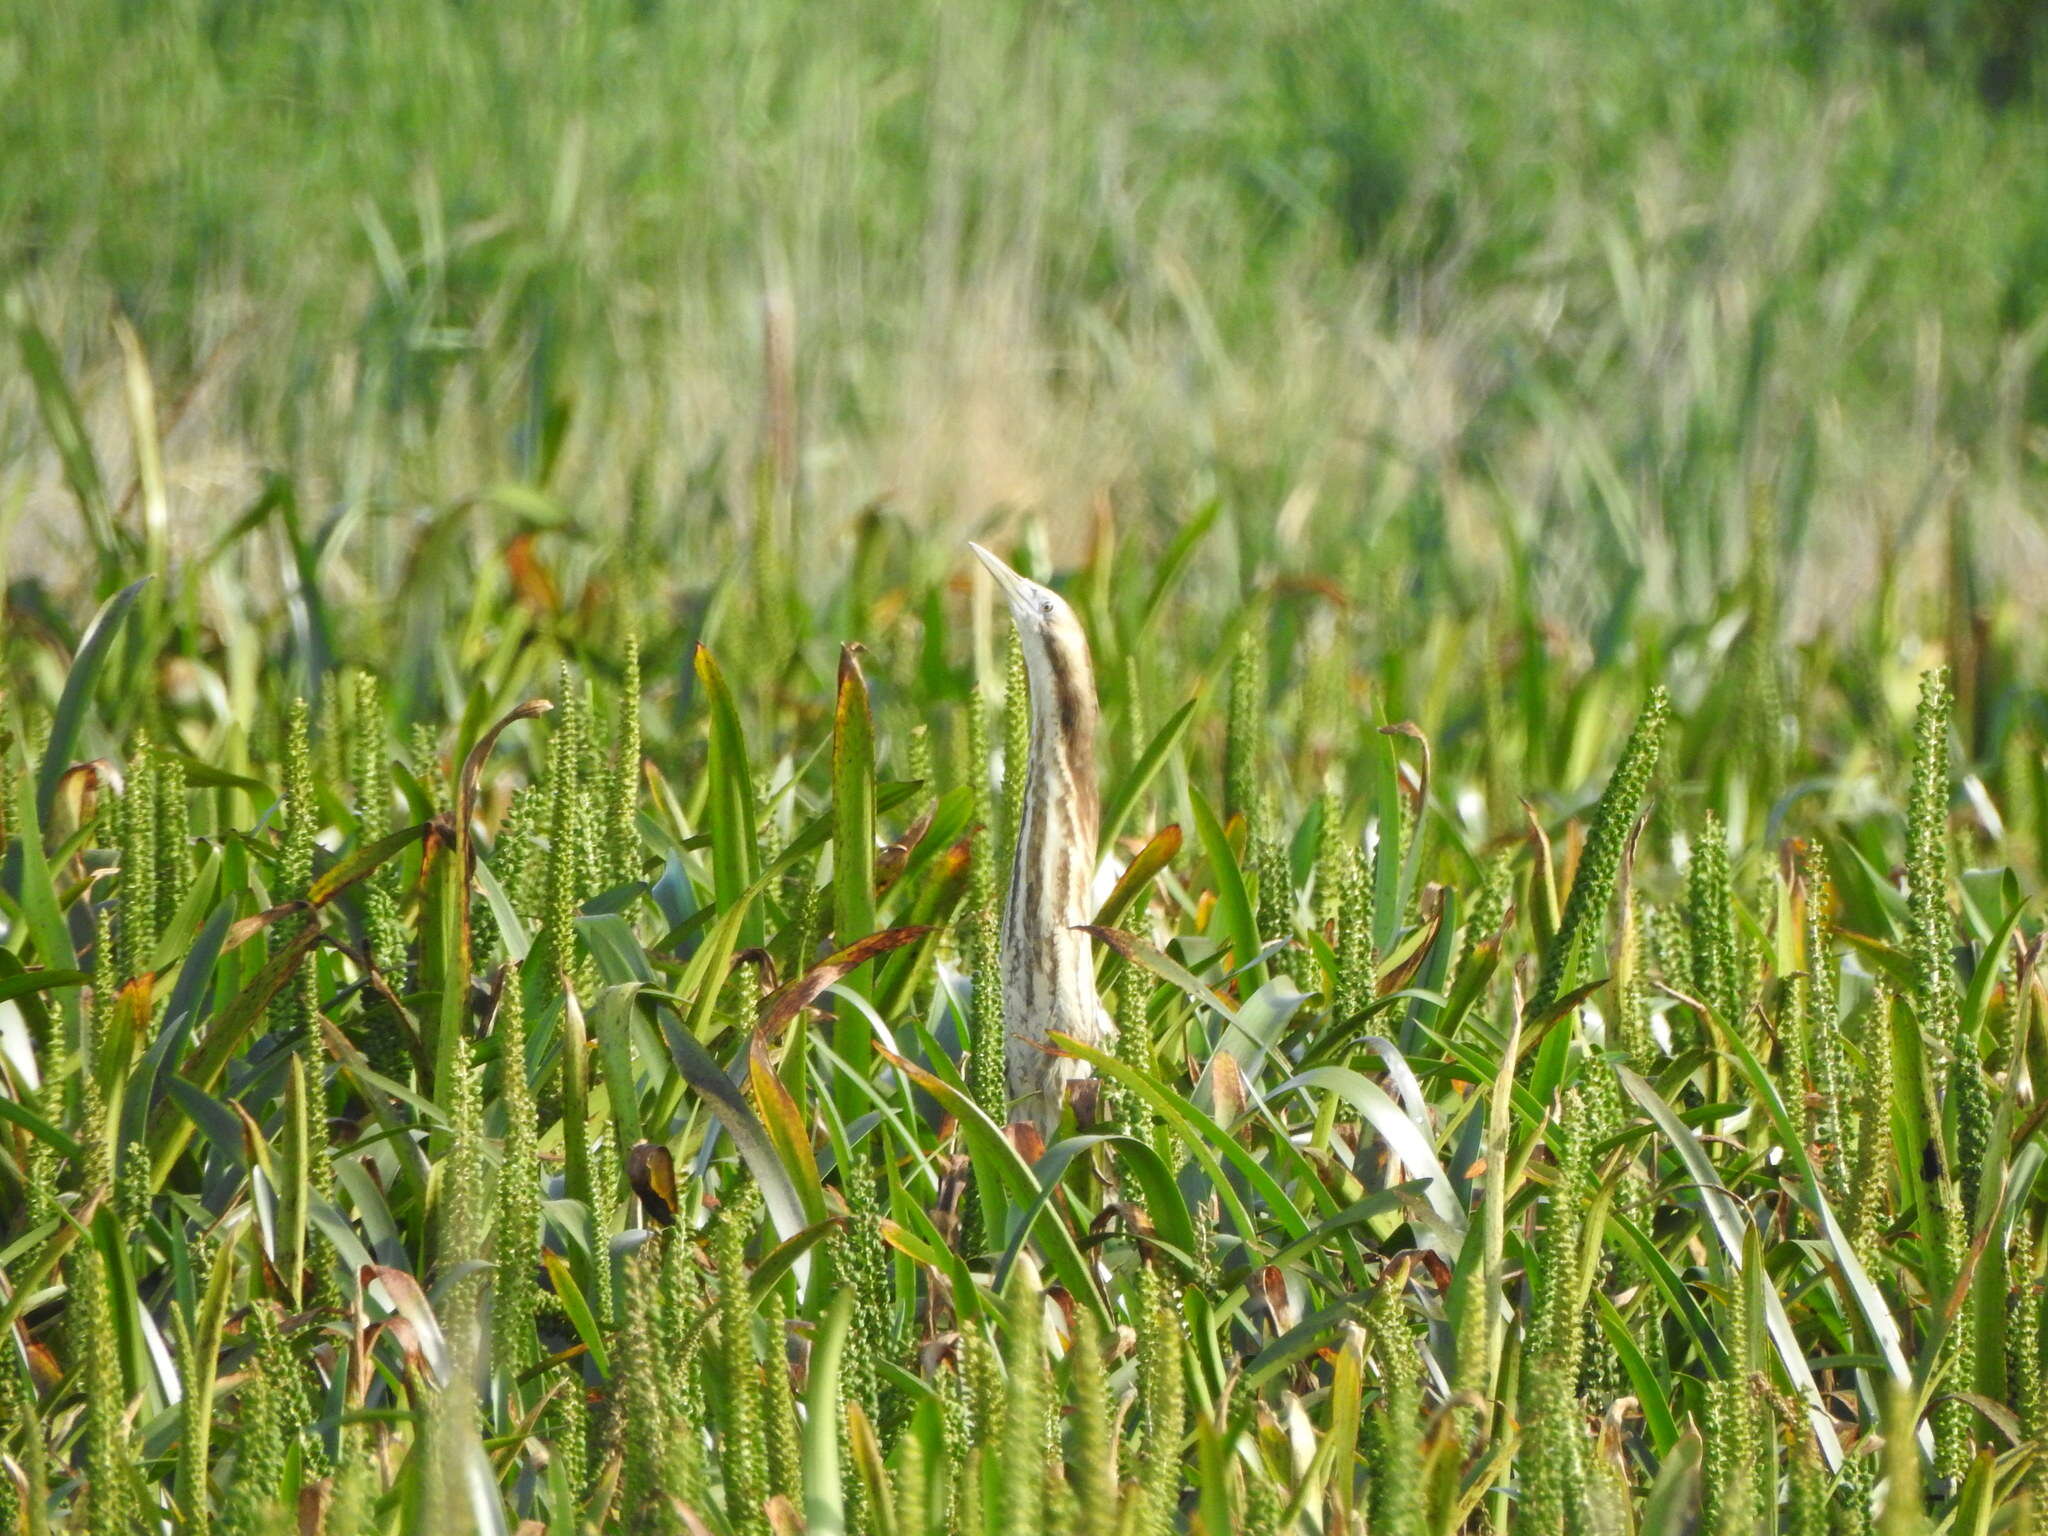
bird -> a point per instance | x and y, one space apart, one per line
1048 968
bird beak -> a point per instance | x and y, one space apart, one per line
1011 583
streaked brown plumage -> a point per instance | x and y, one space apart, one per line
1048 966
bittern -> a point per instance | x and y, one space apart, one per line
1048 967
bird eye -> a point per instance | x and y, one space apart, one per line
1045 608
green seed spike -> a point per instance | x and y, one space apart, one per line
684 1330
2025 1385
562 880
1396 1418
1020 1495
331 738
778 1406
1807 1486
981 1379
860 1263
1275 915
1853 1502
974 773
1927 838
50 1048
1955 1421
1835 1124
1873 1169
253 1497
1580 930
136 818
195 1405
743 1441
1357 980
1162 1394
1940 1012
1551 1461
1710 915
110 1500
14 1411
96 1163
461 1211
1927 893
173 840
1490 908
427 765
1735 1478
20 1506
353 1508
1133 1047
987 1077
1331 851
957 1435
917 760
1671 944
370 769
1553 1322
297 812
606 1192
1093 1431
1793 1066
293 1013
646 1430
1785 1427
569 1437
1016 747
1262 1501
515 857
621 837
915 1513
1632 1017
516 1223
807 916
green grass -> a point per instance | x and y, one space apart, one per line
502 769
1477 1144
1562 292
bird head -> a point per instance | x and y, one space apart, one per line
1041 614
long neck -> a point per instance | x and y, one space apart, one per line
1052 881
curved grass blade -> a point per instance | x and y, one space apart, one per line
1204 1139
1124 799
18 984
1233 903
1650 1393
1379 1110
1726 1216
785 1127
76 698
722 1095
1164 1205
853 805
1164 966
992 1151
50 1135
1869 1301
1139 874
62 419
792 999
783 1257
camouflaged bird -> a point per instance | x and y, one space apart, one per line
1048 964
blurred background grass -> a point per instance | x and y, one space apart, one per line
1591 301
